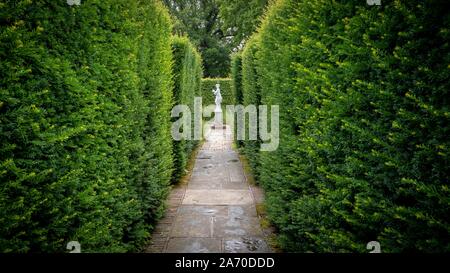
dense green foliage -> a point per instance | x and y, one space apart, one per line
241 18
187 70
85 97
200 21
364 123
236 78
250 96
226 90
216 27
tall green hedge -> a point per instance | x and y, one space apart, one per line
251 96
85 97
188 73
236 78
364 123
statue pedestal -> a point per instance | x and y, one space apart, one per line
218 120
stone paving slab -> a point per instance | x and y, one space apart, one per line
217 197
185 225
236 174
205 186
237 226
215 184
211 211
194 245
234 186
247 210
245 244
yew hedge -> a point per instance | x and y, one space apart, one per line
236 78
85 97
251 96
364 123
188 72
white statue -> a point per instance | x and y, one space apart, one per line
218 99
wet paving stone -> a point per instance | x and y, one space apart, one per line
217 197
216 210
237 226
194 245
245 244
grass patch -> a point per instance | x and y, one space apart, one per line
189 166
247 168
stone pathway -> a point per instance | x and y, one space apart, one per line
215 212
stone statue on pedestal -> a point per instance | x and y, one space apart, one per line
218 111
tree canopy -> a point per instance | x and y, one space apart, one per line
216 27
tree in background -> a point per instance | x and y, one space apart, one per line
241 18
216 27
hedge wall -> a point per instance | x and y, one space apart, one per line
364 123
236 78
250 96
188 73
85 97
